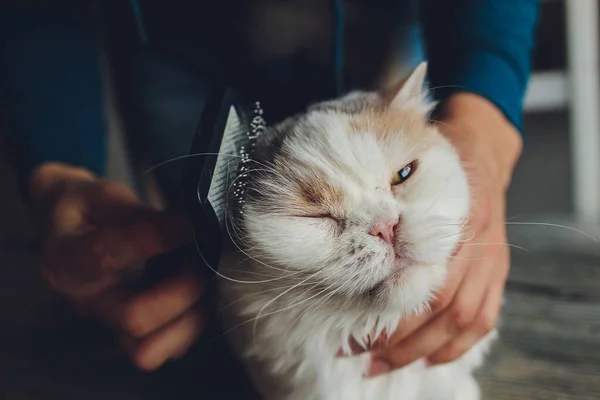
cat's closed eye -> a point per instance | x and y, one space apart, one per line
326 217
326 220
404 173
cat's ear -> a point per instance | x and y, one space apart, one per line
410 93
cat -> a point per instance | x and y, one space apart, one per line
352 211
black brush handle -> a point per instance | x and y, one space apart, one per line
198 175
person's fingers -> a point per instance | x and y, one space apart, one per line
495 271
169 342
72 263
67 217
455 319
81 204
456 275
425 340
140 314
410 323
157 233
355 348
486 319
49 175
484 323
48 185
62 281
110 201
406 327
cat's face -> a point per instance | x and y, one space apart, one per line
362 196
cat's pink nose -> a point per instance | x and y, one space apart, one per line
384 230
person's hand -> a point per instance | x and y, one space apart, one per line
96 237
468 307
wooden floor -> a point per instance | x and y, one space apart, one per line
549 347
550 338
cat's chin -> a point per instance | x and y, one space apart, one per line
400 264
409 287
398 268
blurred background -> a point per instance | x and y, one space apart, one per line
550 346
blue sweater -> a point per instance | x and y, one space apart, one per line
482 46
52 105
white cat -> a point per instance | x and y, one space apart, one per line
352 212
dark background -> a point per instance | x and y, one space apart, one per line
550 347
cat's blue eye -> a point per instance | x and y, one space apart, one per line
403 173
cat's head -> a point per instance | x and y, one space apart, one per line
361 195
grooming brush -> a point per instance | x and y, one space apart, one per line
212 188
214 181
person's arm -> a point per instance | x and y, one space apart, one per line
481 46
479 58
52 105
95 233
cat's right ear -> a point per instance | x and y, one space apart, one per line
410 93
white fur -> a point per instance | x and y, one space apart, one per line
301 295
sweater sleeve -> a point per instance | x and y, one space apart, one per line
50 91
481 46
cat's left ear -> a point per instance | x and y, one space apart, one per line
410 93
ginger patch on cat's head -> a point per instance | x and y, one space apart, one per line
320 192
386 123
403 110
301 188
318 196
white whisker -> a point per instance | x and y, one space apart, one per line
160 164
467 258
256 294
274 299
227 228
555 226
231 279
498 244
456 233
